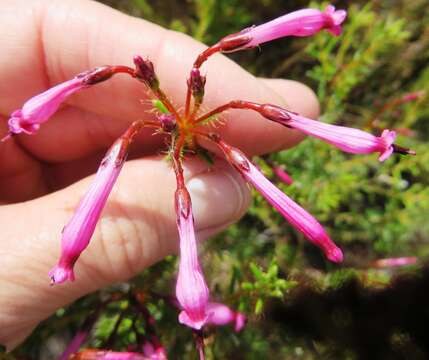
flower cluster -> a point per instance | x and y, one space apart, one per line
182 127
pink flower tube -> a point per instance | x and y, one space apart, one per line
93 354
290 210
350 140
394 262
282 175
78 232
220 314
154 351
41 107
305 22
191 289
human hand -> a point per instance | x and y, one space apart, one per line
41 176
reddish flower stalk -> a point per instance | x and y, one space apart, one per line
199 343
290 210
78 232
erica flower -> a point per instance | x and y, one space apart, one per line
304 22
290 210
191 289
78 232
93 354
40 108
393 262
350 140
220 314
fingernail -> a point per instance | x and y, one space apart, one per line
219 197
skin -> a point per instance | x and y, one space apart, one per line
42 177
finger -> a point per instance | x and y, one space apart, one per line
136 229
91 35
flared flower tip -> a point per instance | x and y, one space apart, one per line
60 274
40 108
18 125
335 255
194 322
335 19
387 139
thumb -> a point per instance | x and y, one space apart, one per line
136 229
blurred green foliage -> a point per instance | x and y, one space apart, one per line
371 209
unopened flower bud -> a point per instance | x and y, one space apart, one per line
168 122
145 72
197 82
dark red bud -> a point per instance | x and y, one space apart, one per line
235 42
97 75
145 72
168 122
197 83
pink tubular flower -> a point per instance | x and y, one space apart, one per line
154 351
220 314
41 107
290 210
93 354
191 289
78 232
350 140
282 175
75 345
305 22
393 262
